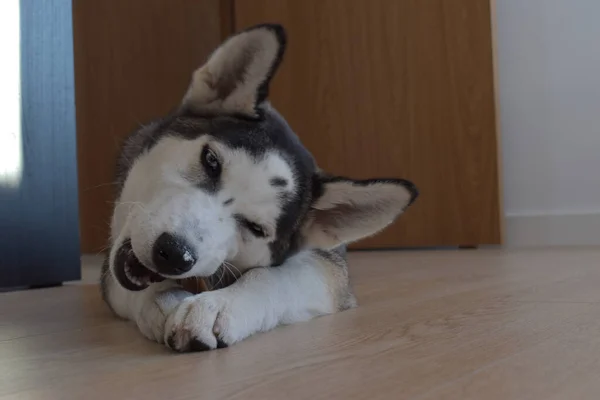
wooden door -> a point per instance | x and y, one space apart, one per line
401 88
133 62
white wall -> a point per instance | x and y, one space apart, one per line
549 91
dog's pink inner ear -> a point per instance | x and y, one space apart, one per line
236 77
351 210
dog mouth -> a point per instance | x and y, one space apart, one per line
130 272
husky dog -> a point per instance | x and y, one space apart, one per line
222 188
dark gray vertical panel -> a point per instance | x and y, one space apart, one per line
39 232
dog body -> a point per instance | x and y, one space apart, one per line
223 189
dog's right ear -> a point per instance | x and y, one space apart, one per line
346 210
235 79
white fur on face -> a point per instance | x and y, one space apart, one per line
163 193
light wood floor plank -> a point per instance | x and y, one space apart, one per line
484 324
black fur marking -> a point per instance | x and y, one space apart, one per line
280 34
197 345
228 202
412 188
278 182
171 342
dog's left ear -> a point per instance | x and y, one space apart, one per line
236 77
347 210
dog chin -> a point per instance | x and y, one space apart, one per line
130 272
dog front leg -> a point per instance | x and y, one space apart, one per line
308 285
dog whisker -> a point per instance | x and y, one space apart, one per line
221 278
232 270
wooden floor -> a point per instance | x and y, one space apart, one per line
481 325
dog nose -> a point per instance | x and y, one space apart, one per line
172 255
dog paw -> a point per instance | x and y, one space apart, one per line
202 322
154 307
151 322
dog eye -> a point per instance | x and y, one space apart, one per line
253 227
210 162
256 229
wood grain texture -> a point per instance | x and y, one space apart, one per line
133 62
397 88
430 325
39 235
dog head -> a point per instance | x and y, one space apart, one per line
225 179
